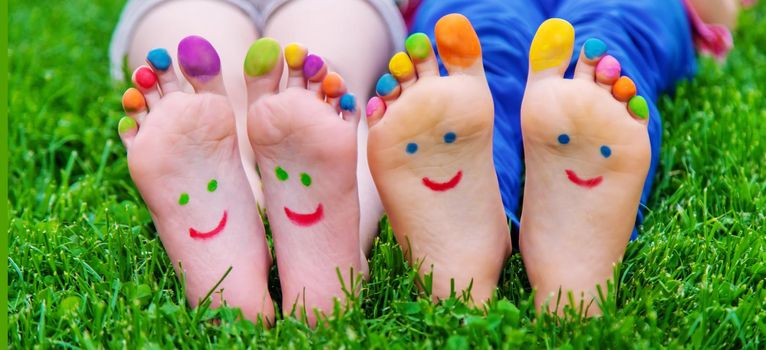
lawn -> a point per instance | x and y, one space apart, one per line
87 270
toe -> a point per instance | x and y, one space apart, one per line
295 55
333 87
314 71
608 71
551 49
145 81
376 107
134 104
388 87
592 52
624 89
162 64
402 69
201 65
127 128
263 68
458 45
639 109
348 108
422 54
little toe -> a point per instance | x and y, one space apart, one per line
639 109
263 68
376 107
592 52
295 55
608 71
388 87
127 128
402 68
314 71
551 49
162 64
624 89
422 54
145 81
201 65
333 87
458 45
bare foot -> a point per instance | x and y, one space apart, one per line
587 155
304 140
430 153
184 159
723 12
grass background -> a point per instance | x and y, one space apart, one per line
87 270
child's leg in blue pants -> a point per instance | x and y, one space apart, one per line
651 39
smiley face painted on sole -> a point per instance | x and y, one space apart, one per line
300 219
606 152
434 185
184 199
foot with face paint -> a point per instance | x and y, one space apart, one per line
304 140
430 153
587 155
184 159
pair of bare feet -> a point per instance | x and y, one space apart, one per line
430 153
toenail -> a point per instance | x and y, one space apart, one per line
198 58
639 107
159 59
373 105
606 151
608 69
333 85
412 148
295 55
418 46
624 89
401 67
348 102
145 78
126 124
457 41
564 139
386 84
450 137
312 66
594 48
552 45
262 57
133 100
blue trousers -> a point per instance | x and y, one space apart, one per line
652 39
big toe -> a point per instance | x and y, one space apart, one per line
458 45
200 64
551 49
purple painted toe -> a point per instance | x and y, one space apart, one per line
198 58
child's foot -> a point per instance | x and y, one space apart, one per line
184 159
587 155
430 153
724 12
305 148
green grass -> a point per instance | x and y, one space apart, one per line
87 270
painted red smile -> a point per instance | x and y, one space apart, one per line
305 219
209 234
587 183
443 186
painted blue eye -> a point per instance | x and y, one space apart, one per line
412 148
450 137
606 151
563 139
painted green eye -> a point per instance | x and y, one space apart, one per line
281 173
183 199
306 179
212 185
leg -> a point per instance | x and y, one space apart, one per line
505 29
359 55
228 28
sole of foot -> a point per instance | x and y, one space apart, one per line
430 153
304 139
587 155
184 159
